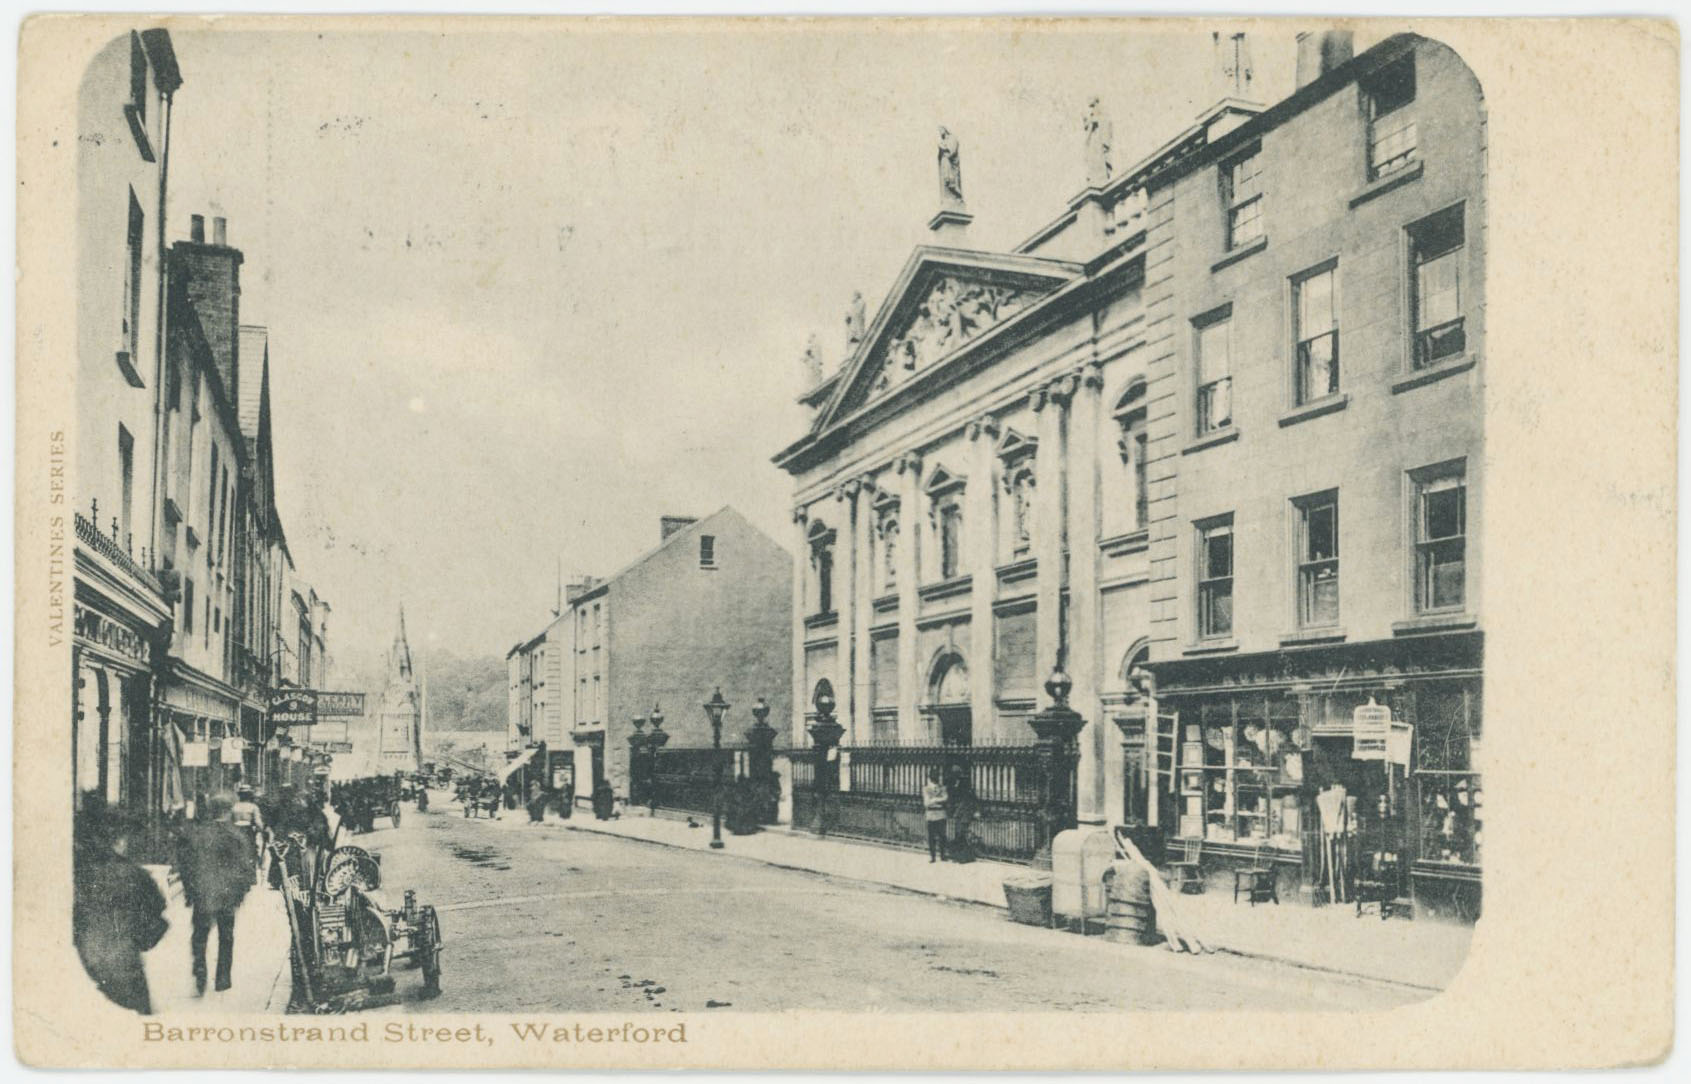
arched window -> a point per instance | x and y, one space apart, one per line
888 532
1128 509
1021 511
1133 673
950 681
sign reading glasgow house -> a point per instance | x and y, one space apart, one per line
293 707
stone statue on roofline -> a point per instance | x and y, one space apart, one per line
1100 143
812 363
950 170
854 321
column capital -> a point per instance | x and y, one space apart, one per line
1062 389
908 463
866 485
984 426
1091 376
1038 398
801 515
847 490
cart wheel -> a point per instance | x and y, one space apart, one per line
431 953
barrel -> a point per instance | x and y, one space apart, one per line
1130 916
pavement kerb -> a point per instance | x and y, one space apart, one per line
1247 954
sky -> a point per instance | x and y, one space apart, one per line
527 292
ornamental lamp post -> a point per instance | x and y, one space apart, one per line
716 708
826 733
1056 728
655 741
760 740
637 775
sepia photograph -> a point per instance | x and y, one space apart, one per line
673 521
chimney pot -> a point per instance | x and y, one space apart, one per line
220 231
197 229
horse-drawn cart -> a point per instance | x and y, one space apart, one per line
349 935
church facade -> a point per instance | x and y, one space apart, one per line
1132 448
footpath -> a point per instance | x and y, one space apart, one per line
260 977
1423 953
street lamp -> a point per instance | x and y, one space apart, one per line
716 708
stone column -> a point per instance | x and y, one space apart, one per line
980 533
1085 662
862 607
910 676
845 594
1049 403
801 610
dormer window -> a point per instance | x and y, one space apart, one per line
1391 124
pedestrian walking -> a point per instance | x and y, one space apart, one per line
246 816
117 910
217 870
933 810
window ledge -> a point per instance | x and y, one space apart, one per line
1211 647
816 621
1327 404
957 585
1447 622
1380 186
1020 569
1249 249
139 128
1306 637
127 364
885 604
1131 542
1436 371
1210 440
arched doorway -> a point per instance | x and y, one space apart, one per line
948 698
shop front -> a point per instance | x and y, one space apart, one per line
207 717
112 748
1333 766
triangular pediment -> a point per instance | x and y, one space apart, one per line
1014 445
944 300
942 480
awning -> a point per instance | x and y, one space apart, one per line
526 756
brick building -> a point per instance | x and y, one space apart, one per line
1132 446
707 608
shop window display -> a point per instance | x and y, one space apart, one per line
1448 779
1252 756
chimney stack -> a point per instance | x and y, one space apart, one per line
197 229
668 525
220 231
1319 52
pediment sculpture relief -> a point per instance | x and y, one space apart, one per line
954 312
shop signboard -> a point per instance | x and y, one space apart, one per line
293 707
330 703
233 746
332 746
1371 726
1398 745
196 754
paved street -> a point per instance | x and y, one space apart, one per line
541 918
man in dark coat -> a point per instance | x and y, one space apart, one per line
217 870
117 912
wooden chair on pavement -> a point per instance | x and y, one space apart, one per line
1379 880
1257 878
1186 875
